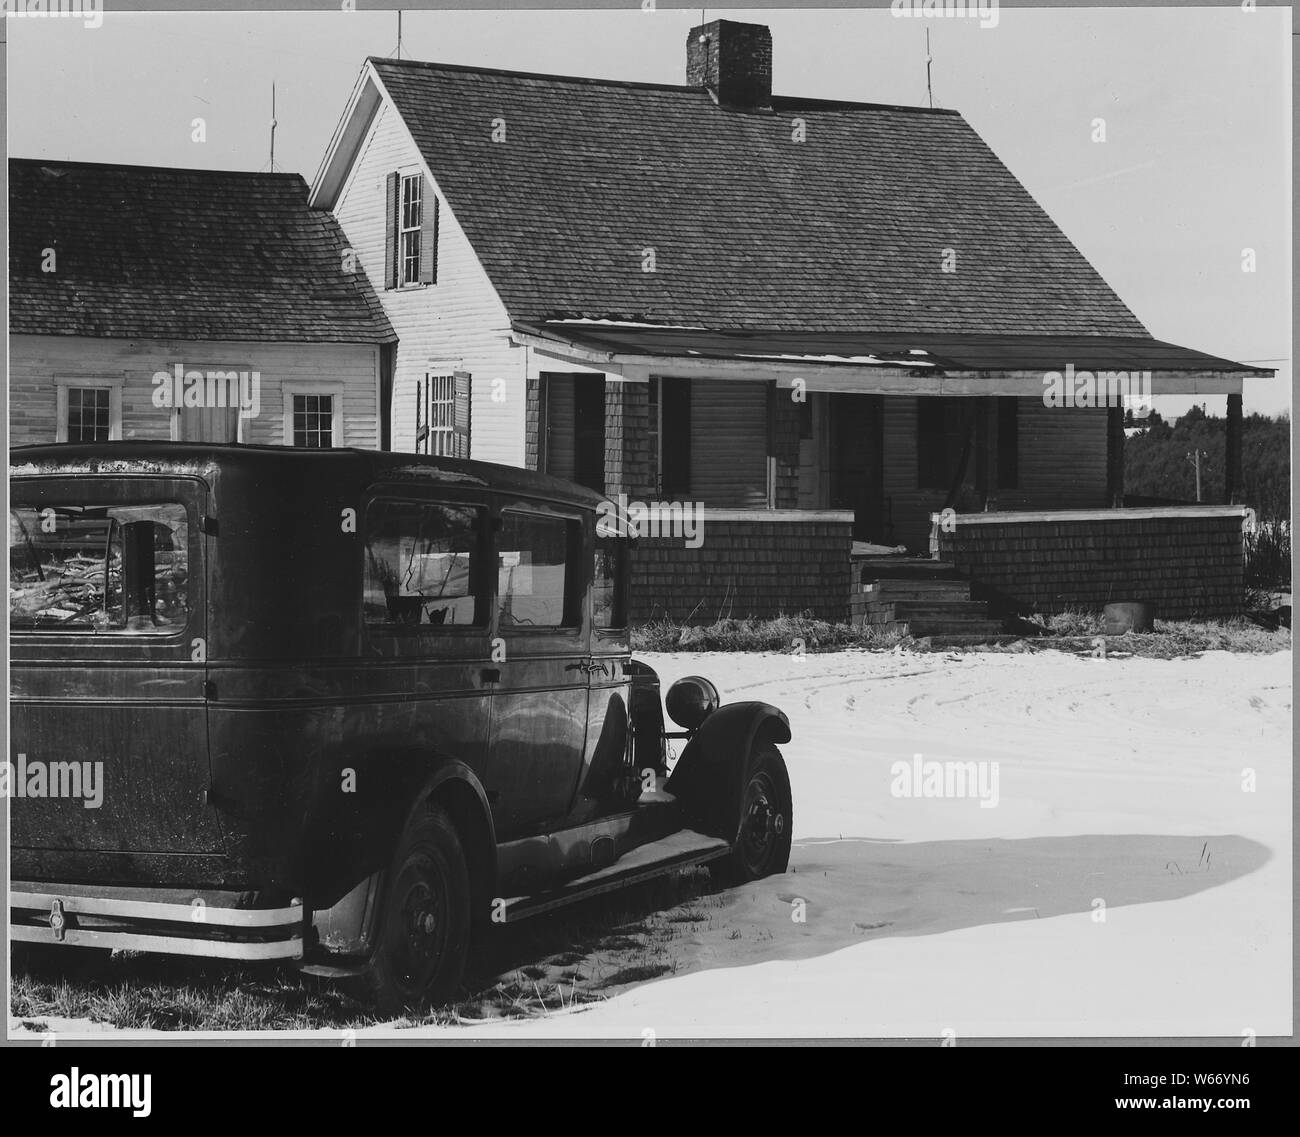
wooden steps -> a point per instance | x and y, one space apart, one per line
921 598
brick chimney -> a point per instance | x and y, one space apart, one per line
732 60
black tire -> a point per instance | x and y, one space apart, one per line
762 842
57 958
424 923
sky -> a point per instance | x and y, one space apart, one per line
1194 169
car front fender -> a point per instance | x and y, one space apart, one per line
709 778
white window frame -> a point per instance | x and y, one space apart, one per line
64 383
404 179
335 390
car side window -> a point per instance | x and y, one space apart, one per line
422 565
535 576
609 606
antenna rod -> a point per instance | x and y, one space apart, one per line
273 126
928 93
399 33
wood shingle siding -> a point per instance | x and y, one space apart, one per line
747 567
1188 562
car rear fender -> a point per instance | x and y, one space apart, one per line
347 928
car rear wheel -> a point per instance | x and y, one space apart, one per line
425 921
762 844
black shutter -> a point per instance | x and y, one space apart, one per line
589 431
675 438
394 202
461 391
421 425
428 235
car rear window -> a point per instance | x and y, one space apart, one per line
101 568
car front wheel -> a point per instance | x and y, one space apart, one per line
762 845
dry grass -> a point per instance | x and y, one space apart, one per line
548 964
792 634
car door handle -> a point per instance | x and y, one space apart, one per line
490 675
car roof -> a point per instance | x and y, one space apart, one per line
340 464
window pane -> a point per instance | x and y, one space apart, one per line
88 414
531 586
421 564
313 420
108 568
607 591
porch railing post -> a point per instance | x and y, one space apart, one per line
1232 452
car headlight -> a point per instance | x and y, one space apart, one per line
691 700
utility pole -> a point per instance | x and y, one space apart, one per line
1195 459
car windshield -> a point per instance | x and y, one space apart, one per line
99 567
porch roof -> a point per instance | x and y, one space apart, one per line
908 351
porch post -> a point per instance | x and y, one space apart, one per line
989 420
1115 456
1232 452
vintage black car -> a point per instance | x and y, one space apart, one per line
338 706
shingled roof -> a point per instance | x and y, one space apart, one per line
161 253
844 231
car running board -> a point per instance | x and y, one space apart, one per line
677 851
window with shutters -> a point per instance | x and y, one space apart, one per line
411 241
408 241
435 415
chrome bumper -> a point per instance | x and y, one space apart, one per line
168 921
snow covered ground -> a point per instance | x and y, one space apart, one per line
1133 877
1120 782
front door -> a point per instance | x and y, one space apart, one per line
856 445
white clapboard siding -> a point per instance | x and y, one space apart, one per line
458 322
728 443
36 362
